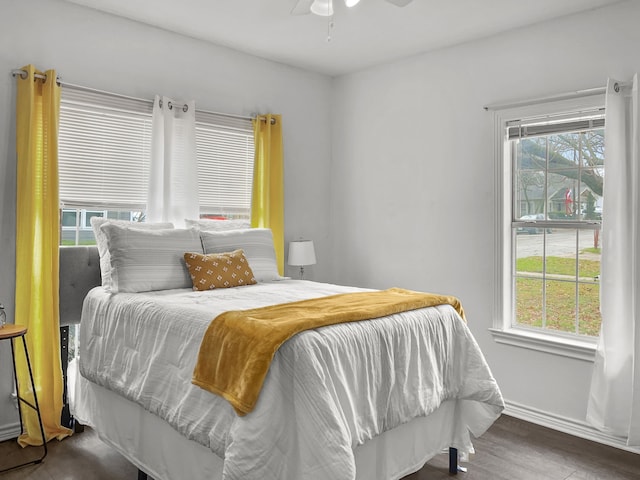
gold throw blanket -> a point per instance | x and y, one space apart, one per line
238 346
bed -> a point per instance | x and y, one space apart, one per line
372 399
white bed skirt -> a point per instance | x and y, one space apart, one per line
156 448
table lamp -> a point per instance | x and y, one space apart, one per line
301 253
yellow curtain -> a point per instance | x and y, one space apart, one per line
267 202
37 240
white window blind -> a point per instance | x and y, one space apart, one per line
104 146
550 125
225 150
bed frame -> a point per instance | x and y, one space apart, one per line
79 273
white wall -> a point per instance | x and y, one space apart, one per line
413 174
407 199
109 53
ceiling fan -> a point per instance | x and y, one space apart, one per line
324 8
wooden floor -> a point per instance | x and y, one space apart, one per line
511 449
516 450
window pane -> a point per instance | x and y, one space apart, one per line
529 194
561 254
120 215
575 174
589 252
560 305
591 196
561 193
557 271
564 151
69 218
79 236
532 154
529 279
589 319
594 148
89 214
529 311
529 244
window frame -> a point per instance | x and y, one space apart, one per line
555 342
228 150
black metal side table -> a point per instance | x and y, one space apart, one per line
12 332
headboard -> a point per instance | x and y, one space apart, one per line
79 273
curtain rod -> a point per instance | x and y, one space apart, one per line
534 101
617 86
23 74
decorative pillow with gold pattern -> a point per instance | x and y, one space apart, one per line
219 270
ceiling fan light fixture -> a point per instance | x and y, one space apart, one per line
351 3
324 8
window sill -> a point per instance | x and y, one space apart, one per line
579 348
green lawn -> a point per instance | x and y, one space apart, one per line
560 295
71 242
559 266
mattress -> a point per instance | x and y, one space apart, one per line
328 390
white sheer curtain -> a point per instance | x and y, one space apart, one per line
614 403
173 170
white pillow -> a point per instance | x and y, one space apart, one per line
209 224
143 260
101 242
257 244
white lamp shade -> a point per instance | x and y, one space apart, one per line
324 8
301 252
351 3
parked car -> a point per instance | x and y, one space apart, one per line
531 229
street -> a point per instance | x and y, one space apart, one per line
559 244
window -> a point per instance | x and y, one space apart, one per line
76 223
552 167
104 149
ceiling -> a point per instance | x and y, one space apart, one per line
372 32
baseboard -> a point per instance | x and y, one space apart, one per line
566 425
9 431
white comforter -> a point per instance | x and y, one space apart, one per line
328 390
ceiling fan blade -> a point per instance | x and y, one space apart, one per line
400 3
302 7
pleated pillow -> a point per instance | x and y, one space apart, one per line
146 260
257 244
101 241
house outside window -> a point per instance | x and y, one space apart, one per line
551 168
